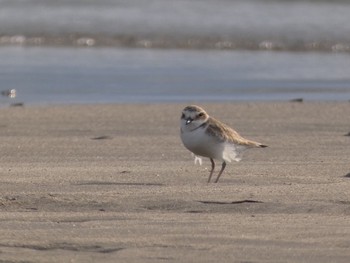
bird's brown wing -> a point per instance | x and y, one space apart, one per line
225 133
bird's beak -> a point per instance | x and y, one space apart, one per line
188 121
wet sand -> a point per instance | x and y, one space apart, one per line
113 183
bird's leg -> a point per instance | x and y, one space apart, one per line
222 169
212 169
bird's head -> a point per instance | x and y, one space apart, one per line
192 117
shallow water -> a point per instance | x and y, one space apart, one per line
211 50
111 75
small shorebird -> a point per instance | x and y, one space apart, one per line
11 93
207 137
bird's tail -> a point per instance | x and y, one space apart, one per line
256 144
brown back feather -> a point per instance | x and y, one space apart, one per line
226 133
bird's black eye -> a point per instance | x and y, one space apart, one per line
201 114
183 116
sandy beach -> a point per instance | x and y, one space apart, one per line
113 183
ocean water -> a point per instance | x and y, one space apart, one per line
219 24
116 75
119 51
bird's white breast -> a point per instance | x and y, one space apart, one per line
206 145
202 144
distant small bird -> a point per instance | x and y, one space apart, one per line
11 93
207 137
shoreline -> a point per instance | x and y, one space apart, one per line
109 182
13 103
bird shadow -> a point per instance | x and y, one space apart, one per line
117 183
230 203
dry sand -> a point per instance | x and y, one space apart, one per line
113 183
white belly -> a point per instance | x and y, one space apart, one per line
205 145
202 144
